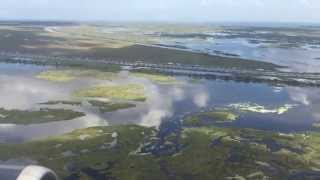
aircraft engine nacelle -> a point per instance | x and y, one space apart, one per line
31 172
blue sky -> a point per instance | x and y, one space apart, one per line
164 10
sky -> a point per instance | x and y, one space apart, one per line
163 10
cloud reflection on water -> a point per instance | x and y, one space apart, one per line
305 96
18 92
201 99
308 97
158 106
164 102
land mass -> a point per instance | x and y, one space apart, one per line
37 116
82 42
102 47
131 152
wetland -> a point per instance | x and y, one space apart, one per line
99 128
90 120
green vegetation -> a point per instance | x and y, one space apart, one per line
38 116
109 107
104 150
68 75
132 92
196 150
58 76
72 103
158 78
221 115
193 120
92 42
225 153
211 117
247 107
158 55
121 152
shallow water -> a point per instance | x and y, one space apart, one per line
256 44
19 89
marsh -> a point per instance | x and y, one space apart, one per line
98 120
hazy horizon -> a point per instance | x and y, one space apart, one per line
191 11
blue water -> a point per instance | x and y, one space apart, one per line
166 104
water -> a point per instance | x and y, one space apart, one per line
298 48
19 89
